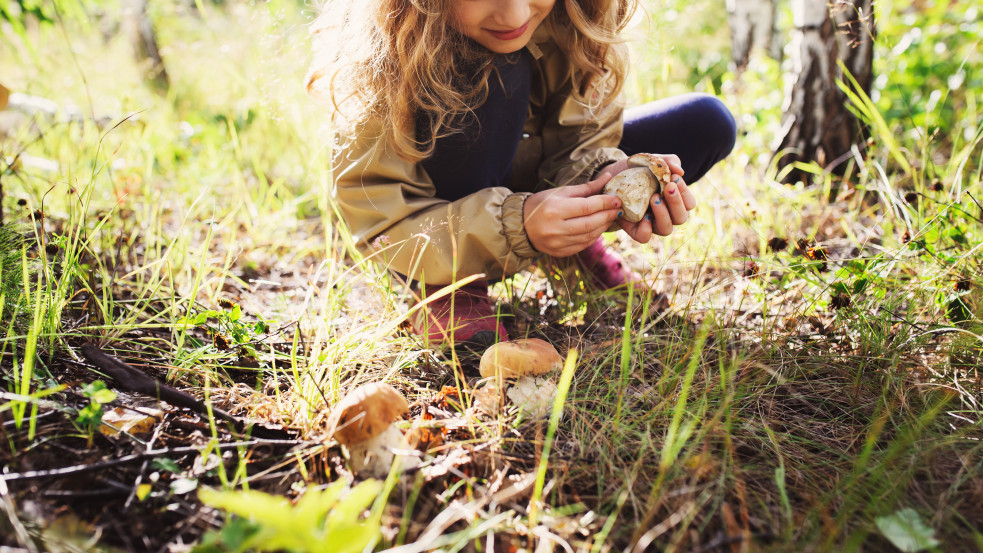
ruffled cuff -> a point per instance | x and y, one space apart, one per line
514 227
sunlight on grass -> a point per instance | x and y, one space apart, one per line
813 380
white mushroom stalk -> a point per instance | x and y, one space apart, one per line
363 423
645 177
523 366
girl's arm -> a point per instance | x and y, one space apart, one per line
394 216
576 140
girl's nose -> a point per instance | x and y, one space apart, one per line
512 14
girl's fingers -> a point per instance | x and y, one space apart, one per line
689 200
674 203
675 165
588 188
637 231
588 226
600 203
662 223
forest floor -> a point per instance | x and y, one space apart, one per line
811 385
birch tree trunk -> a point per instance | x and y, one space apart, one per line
855 39
140 29
752 26
816 124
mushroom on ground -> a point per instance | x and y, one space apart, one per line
636 185
363 423
522 361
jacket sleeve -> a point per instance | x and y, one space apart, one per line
390 207
577 140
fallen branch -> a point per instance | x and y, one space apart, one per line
134 380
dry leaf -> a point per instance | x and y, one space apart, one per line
122 419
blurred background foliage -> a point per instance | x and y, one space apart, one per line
927 61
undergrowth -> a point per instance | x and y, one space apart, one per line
812 383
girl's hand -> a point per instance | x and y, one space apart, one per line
563 221
668 209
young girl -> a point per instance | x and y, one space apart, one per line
475 136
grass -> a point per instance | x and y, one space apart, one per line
791 398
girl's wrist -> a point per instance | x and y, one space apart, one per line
514 225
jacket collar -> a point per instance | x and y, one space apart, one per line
540 36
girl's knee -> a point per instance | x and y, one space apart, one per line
718 122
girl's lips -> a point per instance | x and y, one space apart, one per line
509 35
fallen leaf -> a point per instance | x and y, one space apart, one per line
122 419
906 530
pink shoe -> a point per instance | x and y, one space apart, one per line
606 269
464 318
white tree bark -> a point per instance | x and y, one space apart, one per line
816 124
140 30
752 26
855 39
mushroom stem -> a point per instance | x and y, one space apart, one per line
532 396
375 456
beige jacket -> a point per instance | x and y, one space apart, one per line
439 242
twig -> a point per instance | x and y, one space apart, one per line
6 504
136 457
136 381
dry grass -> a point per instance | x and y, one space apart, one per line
751 414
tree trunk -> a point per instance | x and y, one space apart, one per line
816 124
855 39
140 30
752 25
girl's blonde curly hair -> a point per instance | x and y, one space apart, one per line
402 63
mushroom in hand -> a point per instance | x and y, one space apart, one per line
363 423
645 176
527 362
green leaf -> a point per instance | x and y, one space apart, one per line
103 396
163 463
321 520
233 537
905 529
956 234
840 287
352 539
958 311
311 508
90 415
97 392
860 285
349 508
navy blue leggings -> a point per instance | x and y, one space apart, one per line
696 127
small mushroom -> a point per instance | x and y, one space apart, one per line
645 176
522 361
363 423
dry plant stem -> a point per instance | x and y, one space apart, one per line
11 511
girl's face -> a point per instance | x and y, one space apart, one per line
502 26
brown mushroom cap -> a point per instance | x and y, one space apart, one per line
653 163
366 412
519 358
